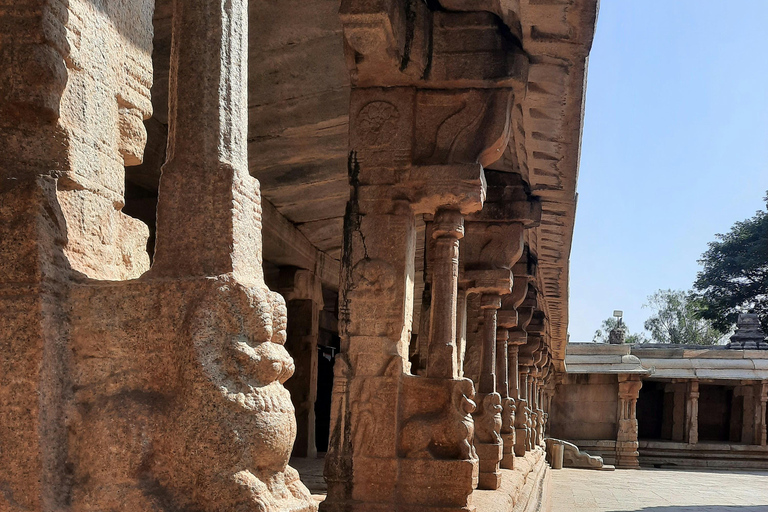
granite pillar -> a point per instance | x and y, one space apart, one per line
626 440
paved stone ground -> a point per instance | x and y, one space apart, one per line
659 490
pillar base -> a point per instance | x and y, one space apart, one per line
521 441
490 475
436 485
627 456
508 451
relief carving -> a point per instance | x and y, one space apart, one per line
463 127
508 416
236 413
374 280
377 123
488 420
447 435
363 410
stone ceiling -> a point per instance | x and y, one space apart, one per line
299 95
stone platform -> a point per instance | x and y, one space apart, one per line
523 489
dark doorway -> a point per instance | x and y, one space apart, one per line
737 419
650 410
328 347
714 413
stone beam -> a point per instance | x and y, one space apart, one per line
285 245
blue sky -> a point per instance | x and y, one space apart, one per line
674 150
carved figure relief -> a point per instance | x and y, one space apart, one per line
488 420
377 123
508 415
363 412
447 435
236 411
373 279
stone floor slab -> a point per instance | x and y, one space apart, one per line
659 490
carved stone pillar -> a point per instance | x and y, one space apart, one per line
692 413
626 441
518 337
303 295
461 327
422 129
507 402
494 244
530 356
541 366
447 229
533 415
763 394
72 103
488 415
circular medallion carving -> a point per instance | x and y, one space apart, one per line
377 123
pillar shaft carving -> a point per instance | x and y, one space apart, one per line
763 388
447 229
692 413
626 440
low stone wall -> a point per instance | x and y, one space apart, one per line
523 489
703 455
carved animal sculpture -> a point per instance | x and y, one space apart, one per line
488 422
447 435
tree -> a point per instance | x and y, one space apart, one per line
735 274
601 335
675 320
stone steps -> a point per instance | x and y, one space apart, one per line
703 455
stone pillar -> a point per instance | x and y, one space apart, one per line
678 427
531 355
488 415
461 328
493 245
756 410
447 229
692 413
541 369
303 295
73 101
232 404
518 338
532 416
748 416
507 402
626 440
763 428
420 136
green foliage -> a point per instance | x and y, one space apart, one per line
735 274
675 319
601 335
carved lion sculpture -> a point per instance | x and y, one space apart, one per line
447 435
508 415
236 425
488 421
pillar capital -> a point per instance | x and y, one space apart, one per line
389 45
